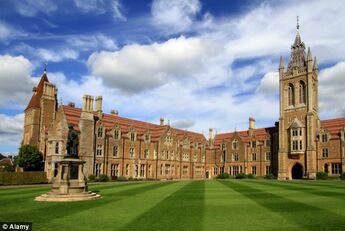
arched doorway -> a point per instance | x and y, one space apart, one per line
326 168
297 171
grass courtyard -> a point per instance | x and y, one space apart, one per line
186 205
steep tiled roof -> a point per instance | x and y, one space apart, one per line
6 162
333 126
35 99
259 133
73 116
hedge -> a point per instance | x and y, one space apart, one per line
18 178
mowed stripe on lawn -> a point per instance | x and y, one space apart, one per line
121 208
290 206
182 210
227 208
42 213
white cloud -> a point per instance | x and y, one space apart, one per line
11 129
101 7
8 32
92 42
56 56
269 84
136 67
41 55
31 8
16 85
174 16
331 91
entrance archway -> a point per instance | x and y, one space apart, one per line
297 171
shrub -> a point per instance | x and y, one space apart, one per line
15 178
91 177
223 175
342 176
130 178
103 178
250 176
241 176
322 175
270 176
30 158
121 178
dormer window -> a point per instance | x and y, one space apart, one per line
132 136
235 144
147 138
254 144
100 132
116 134
223 147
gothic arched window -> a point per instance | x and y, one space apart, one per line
291 95
302 94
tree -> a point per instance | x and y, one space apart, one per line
30 158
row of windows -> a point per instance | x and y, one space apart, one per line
235 144
336 168
235 157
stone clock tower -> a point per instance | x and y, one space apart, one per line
299 114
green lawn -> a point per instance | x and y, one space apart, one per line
186 205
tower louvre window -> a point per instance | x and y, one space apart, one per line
291 95
302 98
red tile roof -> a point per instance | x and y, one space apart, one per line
35 99
333 126
73 116
260 134
6 162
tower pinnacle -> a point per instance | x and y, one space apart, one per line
297 24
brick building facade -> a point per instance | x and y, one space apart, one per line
298 146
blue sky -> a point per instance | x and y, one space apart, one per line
198 64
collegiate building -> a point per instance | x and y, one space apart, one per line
298 146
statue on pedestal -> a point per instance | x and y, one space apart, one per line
72 143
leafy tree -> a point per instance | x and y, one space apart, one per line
30 158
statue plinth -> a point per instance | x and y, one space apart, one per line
70 183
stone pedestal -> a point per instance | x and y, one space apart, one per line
69 184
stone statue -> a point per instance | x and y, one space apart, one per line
72 143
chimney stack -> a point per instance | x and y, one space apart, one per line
161 121
87 103
114 112
251 123
98 101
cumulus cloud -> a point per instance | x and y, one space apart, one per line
16 84
11 129
101 7
269 84
331 88
136 67
31 8
174 16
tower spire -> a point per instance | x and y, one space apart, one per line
297 23
45 67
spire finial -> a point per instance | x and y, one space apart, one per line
45 67
297 23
